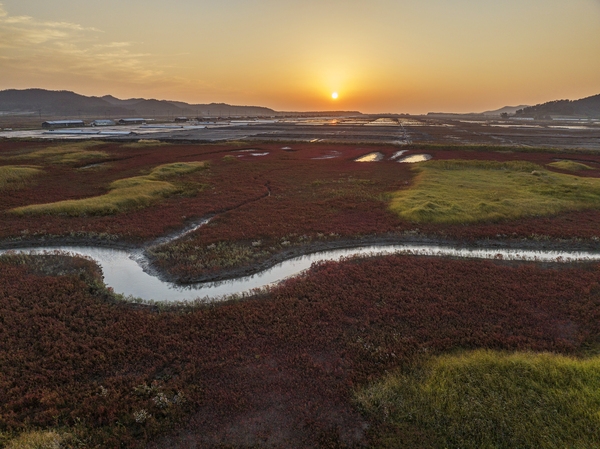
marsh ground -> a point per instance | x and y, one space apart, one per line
271 199
287 367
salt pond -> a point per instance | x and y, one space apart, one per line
371 157
414 158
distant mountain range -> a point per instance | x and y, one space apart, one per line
69 104
586 107
505 110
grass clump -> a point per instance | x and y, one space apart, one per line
68 153
144 143
457 191
486 399
570 166
16 176
124 194
36 440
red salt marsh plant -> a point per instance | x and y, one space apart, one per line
280 368
308 197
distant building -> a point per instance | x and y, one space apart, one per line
181 119
63 123
132 121
103 123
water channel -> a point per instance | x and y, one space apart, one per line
123 272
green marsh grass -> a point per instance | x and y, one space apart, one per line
487 399
144 143
124 194
16 176
570 166
36 439
66 154
457 191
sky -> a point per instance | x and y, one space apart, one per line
401 56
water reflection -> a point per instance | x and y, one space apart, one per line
413 158
123 272
397 154
371 157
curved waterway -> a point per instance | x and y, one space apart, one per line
123 272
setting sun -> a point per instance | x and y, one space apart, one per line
334 95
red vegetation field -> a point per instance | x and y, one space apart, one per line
278 370
263 204
307 195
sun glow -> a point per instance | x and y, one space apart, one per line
334 95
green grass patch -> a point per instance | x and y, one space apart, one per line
145 143
458 191
570 166
36 439
124 194
486 399
66 153
16 176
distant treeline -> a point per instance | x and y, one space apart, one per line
586 107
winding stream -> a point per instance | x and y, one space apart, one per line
124 274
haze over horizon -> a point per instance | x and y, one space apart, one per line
382 56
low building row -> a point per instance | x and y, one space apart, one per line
78 123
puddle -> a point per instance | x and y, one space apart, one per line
383 122
413 158
397 154
569 127
99 164
123 271
251 152
371 157
330 155
515 126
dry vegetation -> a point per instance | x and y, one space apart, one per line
14 177
124 194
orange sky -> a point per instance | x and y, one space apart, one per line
412 56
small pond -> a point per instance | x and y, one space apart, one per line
371 157
414 158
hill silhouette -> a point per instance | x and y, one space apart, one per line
69 104
586 107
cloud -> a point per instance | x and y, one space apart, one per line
35 48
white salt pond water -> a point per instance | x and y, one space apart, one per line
371 157
124 274
397 154
414 158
